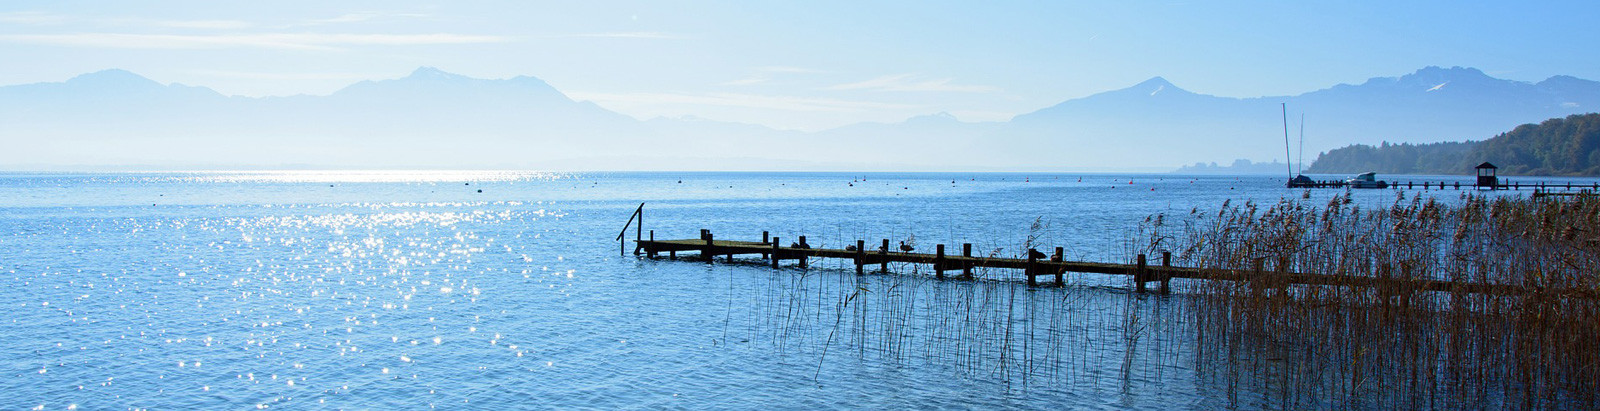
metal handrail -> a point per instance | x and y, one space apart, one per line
622 246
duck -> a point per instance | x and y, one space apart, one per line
1032 253
905 248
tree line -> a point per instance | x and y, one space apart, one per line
1556 147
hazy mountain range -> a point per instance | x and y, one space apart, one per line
434 119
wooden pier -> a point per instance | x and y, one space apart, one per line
1487 178
1039 264
707 248
1541 187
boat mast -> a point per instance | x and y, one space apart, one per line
1286 154
1302 168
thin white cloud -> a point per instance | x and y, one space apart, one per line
298 41
786 69
627 35
787 103
747 81
37 18
765 75
910 82
205 24
348 18
360 17
31 18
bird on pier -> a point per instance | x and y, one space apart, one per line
801 244
1032 253
904 248
849 248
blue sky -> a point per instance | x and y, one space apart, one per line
800 65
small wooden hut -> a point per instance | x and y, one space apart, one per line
1486 176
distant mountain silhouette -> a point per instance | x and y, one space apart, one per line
432 118
1157 122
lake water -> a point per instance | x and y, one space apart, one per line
492 290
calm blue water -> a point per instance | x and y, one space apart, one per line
416 289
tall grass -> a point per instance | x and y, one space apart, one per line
1534 342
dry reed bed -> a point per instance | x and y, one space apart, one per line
1390 346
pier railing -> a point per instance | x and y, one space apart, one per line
638 234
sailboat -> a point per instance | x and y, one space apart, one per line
1299 180
1364 180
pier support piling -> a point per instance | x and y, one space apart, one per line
1060 279
1166 272
1140 274
802 253
1032 267
861 256
966 269
710 251
884 252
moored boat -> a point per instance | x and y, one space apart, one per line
1366 180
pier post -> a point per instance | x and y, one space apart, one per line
775 242
966 267
1166 271
652 250
708 252
1056 258
1257 271
1140 274
884 252
802 253
764 240
1028 271
861 254
938 262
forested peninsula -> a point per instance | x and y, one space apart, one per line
1556 147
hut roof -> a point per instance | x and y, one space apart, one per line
1486 165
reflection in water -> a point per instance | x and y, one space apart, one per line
1078 337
